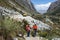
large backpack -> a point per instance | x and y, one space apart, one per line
34 26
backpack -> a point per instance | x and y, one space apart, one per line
34 26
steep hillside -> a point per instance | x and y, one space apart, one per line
54 12
16 14
26 3
13 20
22 6
19 17
54 8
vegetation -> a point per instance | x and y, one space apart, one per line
54 17
38 17
42 34
12 28
49 34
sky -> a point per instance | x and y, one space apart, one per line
41 5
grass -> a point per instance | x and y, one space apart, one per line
11 28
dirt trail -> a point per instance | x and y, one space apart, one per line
32 38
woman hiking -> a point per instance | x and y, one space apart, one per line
34 29
28 30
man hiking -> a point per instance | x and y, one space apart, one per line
35 29
28 30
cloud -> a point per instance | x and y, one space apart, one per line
42 6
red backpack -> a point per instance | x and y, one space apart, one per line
34 26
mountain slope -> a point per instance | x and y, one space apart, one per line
54 8
17 16
22 6
54 12
15 9
26 3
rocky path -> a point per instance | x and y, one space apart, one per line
32 38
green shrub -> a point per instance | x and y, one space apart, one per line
42 33
12 27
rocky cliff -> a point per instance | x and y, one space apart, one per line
54 8
54 12
23 6
26 3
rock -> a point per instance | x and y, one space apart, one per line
56 39
35 38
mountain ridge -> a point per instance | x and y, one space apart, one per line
23 6
53 12
54 8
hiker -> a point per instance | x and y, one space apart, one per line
28 30
35 29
